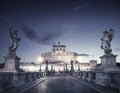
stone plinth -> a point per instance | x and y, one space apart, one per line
108 62
11 64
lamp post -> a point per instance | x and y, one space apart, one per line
40 60
78 67
40 67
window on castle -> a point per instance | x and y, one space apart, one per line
54 50
63 50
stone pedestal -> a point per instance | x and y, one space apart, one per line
108 62
11 64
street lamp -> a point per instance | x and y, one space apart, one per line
39 59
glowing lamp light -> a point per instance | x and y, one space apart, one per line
39 59
79 59
59 57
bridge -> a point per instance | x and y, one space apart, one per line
38 82
104 79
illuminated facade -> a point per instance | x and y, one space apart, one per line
33 67
58 57
29 67
59 54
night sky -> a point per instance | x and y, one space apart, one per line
76 23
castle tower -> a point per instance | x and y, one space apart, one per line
58 48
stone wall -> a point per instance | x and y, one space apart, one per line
13 79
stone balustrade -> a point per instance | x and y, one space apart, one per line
107 79
114 79
13 79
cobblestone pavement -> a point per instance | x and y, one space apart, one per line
61 84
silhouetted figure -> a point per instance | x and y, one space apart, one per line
78 67
72 68
46 68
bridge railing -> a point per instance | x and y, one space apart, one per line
107 79
13 79
114 79
5 81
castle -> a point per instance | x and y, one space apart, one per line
59 58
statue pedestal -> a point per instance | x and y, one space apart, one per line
108 62
11 64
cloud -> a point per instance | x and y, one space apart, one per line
84 5
117 49
84 55
41 38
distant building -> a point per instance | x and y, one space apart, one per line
59 54
93 64
85 66
58 57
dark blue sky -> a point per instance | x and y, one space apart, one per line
77 23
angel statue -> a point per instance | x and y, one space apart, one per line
106 40
14 42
